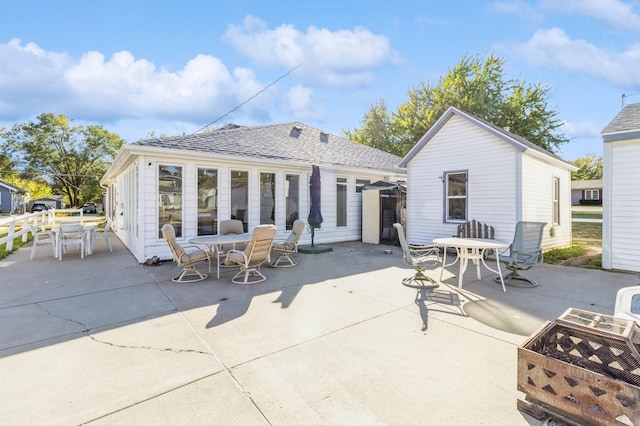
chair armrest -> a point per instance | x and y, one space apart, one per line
234 257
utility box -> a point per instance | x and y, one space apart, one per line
583 367
383 204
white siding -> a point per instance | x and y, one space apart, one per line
621 213
537 196
491 164
505 185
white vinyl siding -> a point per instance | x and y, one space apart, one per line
537 188
622 190
490 164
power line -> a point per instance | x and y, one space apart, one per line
252 97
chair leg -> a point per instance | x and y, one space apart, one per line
420 280
189 275
515 275
283 257
246 274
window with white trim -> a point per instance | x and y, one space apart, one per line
455 196
591 194
556 201
170 198
341 201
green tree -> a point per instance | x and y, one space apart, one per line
70 158
376 128
477 86
589 167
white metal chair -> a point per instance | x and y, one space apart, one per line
41 238
418 256
524 252
71 234
186 257
254 255
288 247
103 233
628 303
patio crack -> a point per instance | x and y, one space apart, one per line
87 332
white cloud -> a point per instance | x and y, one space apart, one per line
518 8
299 101
614 12
554 48
96 88
581 130
340 58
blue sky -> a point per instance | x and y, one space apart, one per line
172 67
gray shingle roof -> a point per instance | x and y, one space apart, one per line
626 120
292 142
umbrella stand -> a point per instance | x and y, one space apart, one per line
315 216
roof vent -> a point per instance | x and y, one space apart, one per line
324 137
295 132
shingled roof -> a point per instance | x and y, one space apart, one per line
627 120
290 142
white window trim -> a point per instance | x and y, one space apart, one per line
446 196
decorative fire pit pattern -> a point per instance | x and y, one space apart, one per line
585 367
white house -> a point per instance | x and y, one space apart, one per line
465 168
621 191
257 174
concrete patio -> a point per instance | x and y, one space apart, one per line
334 340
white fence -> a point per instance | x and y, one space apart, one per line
17 226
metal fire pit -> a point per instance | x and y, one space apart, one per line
582 367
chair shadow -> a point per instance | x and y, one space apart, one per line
448 302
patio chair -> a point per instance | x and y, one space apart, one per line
41 238
231 226
71 234
288 247
418 256
254 255
524 253
103 233
187 257
475 229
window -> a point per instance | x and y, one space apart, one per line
170 198
341 202
267 198
592 194
240 197
207 201
556 201
455 196
292 199
361 183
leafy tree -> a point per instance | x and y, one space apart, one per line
589 167
376 128
477 86
70 158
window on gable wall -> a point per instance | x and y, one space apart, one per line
341 202
556 201
455 190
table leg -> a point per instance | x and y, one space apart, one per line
463 255
497 271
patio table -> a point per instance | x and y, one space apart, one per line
471 249
215 242
87 229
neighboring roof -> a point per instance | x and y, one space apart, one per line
517 141
49 198
625 125
11 188
291 142
586 184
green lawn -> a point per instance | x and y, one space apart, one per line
587 230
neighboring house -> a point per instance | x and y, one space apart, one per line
465 168
621 187
586 192
55 201
12 198
257 174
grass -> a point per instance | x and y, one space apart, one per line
560 255
587 231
